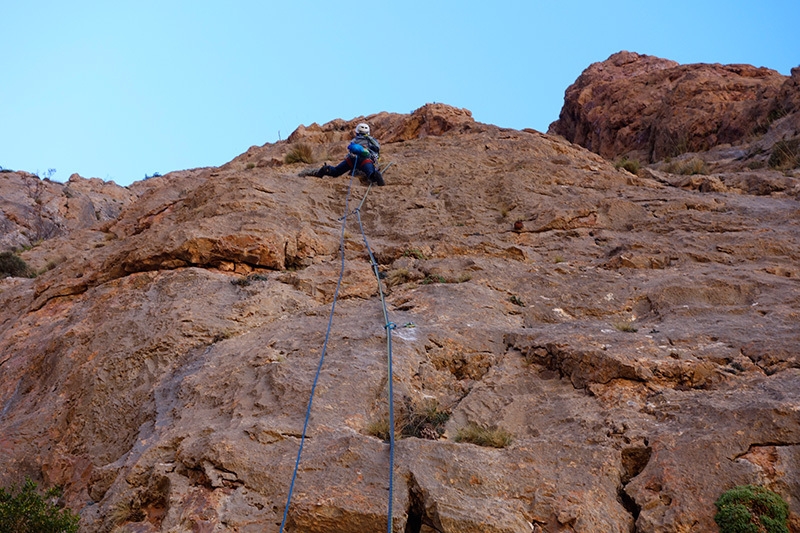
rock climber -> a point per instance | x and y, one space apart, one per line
362 151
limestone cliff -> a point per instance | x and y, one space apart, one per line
635 335
651 109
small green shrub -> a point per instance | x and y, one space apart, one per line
300 153
514 299
489 437
631 165
416 253
751 509
12 265
24 510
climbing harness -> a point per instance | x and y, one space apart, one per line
388 326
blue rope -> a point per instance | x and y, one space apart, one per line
322 355
389 327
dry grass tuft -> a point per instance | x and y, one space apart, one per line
688 167
785 154
626 326
489 437
300 153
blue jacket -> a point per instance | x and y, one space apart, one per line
370 143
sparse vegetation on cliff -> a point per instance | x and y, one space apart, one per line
626 326
151 315
489 437
423 421
12 265
688 167
25 510
300 153
751 509
631 165
785 154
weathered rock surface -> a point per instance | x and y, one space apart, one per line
651 109
637 336
34 209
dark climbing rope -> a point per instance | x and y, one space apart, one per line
389 326
322 355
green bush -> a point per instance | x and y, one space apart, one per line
12 265
631 165
516 300
415 253
27 511
751 509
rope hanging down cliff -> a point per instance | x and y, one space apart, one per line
388 326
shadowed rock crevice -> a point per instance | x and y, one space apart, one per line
416 508
634 461
418 520
764 449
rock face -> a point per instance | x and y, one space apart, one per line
651 108
635 335
33 210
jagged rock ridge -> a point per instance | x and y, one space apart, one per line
637 337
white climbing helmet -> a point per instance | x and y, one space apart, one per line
362 129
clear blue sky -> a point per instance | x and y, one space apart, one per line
117 90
